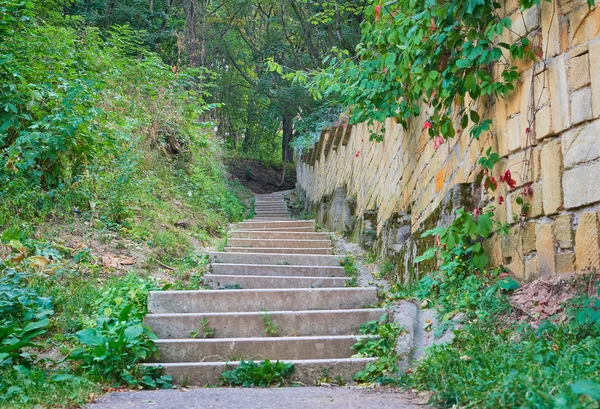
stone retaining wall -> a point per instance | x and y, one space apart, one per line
384 194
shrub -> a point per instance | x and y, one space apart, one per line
23 317
114 348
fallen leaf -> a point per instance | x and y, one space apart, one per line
38 261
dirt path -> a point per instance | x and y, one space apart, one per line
272 398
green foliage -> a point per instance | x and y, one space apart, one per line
494 364
119 342
271 328
87 125
351 270
251 374
22 387
416 53
309 128
24 315
460 244
588 312
380 342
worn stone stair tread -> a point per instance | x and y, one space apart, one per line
258 348
272 217
280 250
329 260
251 225
282 229
284 299
251 324
253 234
277 270
278 243
252 281
306 370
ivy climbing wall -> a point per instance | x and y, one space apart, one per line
547 134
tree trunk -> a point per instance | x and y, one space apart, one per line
286 151
189 7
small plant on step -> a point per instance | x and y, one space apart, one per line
271 329
251 374
351 270
379 342
207 330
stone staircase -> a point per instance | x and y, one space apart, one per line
274 269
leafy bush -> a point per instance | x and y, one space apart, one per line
380 342
31 386
23 316
249 374
119 342
493 362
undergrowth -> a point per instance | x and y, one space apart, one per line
379 342
251 374
494 361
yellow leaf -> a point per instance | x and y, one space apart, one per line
38 261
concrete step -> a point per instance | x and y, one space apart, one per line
273 219
252 324
284 243
280 250
307 371
247 281
251 225
271 215
274 348
298 299
250 234
277 270
283 229
276 259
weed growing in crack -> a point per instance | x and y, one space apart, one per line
351 270
379 342
251 374
271 329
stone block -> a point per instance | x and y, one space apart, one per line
513 101
559 95
532 268
595 77
563 231
582 185
545 244
579 71
534 160
565 262
587 243
584 25
551 170
528 237
535 201
550 28
521 167
582 144
581 105
526 103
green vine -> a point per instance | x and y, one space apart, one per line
416 54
